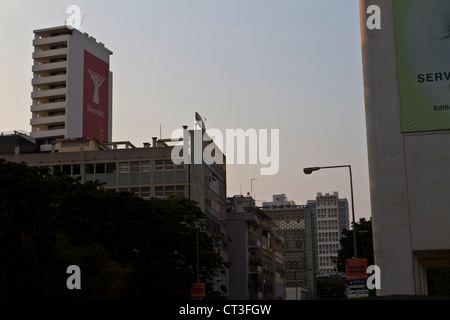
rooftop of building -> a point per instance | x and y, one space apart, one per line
279 201
63 30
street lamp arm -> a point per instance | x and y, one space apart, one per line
340 166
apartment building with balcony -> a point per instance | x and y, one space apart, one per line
255 252
72 87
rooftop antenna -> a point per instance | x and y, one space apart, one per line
160 132
82 20
251 186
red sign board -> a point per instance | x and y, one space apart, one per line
356 269
95 97
197 290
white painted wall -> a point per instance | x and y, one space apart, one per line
77 44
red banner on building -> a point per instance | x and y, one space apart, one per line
95 97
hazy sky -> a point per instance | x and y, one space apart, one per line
292 65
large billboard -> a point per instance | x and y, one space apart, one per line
356 272
423 57
95 97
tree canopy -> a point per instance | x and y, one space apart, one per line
364 244
126 247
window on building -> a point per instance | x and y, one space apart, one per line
56 126
67 169
159 165
76 169
169 190
179 190
111 167
145 192
146 166
169 165
59 59
89 168
134 166
57 73
124 167
56 113
159 192
100 168
57 86
59 99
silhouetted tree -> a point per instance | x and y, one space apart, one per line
125 246
364 243
332 287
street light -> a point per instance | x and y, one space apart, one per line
312 169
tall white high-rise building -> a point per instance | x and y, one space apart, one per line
331 218
72 87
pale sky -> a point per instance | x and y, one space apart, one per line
292 65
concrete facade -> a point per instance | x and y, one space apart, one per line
255 253
58 82
295 226
409 177
330 219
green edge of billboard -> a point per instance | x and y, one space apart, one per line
422 32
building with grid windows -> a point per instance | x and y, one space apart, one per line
147 171
331 218
295 226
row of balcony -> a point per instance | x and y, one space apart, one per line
48 120
259 244
48 80
50 53
49 66
48 106
48 93
47 133
50 40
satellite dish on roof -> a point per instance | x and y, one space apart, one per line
199 121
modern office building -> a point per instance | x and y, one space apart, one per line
331 218
72 87
255 252
405 54
296 226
